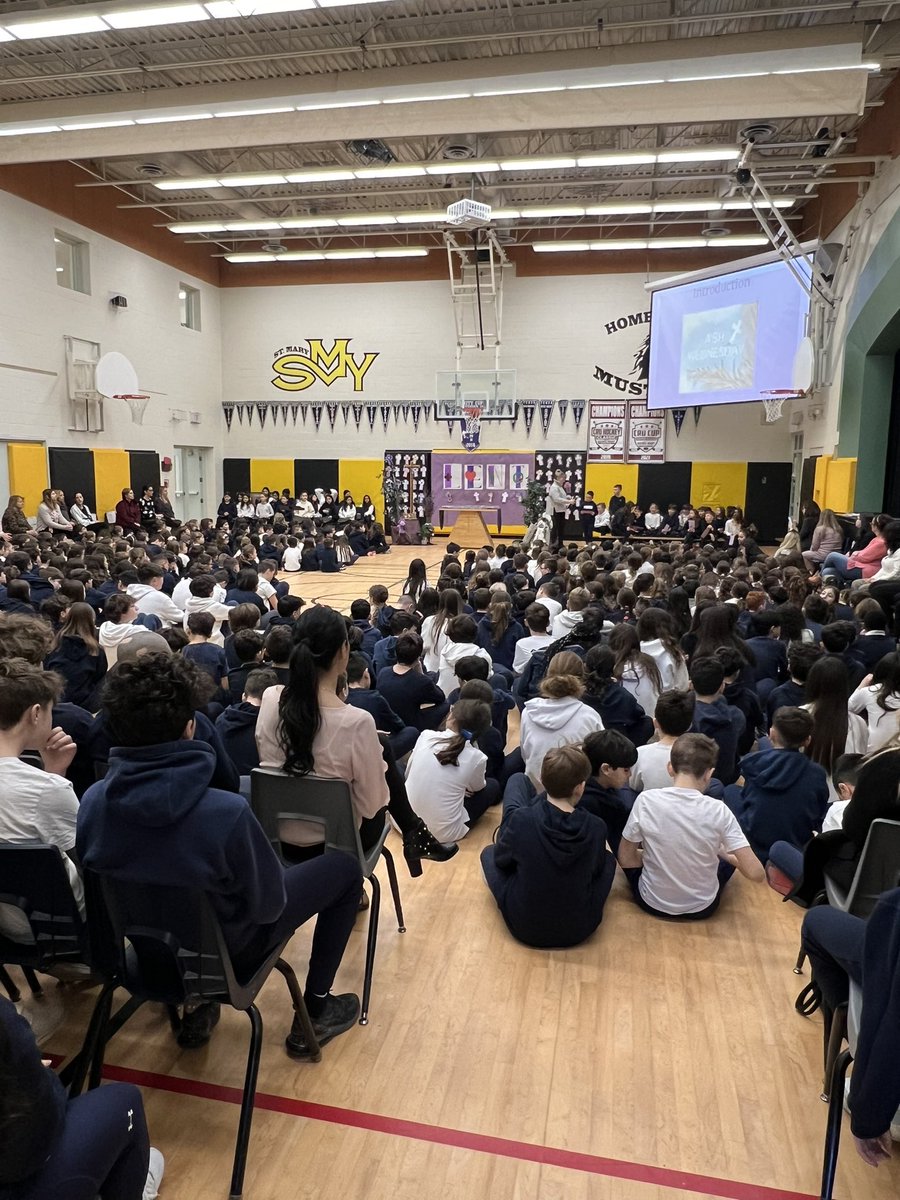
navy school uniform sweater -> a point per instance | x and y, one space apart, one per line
407 693
725 725
370 637
746 699
81 670
236 726
553 866
611 805
784 799
788 695
619 710
501 652
771 658
224 774
874 1086
370 701
32 1125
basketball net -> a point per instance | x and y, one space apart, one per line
774 404
471 437
137 403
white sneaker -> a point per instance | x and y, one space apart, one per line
155 1173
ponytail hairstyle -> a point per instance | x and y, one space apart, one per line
599 665
564 678
499 617
471 718
319 636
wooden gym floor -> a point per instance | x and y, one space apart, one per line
655 1061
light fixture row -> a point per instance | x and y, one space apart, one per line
330 255
439 216
660 243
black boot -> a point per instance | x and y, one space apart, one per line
418 843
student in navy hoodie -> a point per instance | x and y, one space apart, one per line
607 793
873 642
155 818
550 871
617 707
769 651
236 725
360 694
715 717
784 796
18 598
739 695
792 694
360 615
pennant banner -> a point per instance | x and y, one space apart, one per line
239 409
416 410
332 407
528 407
228 410
546 411
578 407
249 408
372 412
303 408
345 411
646 434
357 413
678 415
316 410
295 408
698 409
386 415
274 409
404 409
606 431
262 414
562 407
514 409
284 414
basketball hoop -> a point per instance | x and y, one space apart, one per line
774 404
137 402
472 426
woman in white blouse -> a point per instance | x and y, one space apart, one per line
878 700
79 513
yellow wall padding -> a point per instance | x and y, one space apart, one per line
835 483
600 479
719 483
360 477
112 472
27 462
273 473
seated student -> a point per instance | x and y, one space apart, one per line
242 616
327 556
549 870
269 587
309 558
472 668
612 757
248 648
385 652
617 707
785 865
769 650
246 590
361 616
793 693
573 614
557 717
119 613
446 774
207 596
18 598
360 694
38 805
93 1145
491 743
547 593
878 700
290 561
784 796
236 725
78 657
150 598
415 698
740 696
208 657
837 638
462 632
873 642
278 645
286 611
498 633
673 716
154 817
537 622
680 847
715 717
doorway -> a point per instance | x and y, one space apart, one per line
189 472
796 473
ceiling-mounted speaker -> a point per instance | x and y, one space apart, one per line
827 257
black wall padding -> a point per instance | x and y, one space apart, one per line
312 473
73 471
767 499
144 468
235 476
661 484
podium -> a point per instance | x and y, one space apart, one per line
469 530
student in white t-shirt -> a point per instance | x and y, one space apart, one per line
291 558
680 847
537 622
265 588
35 805
446 774
673 716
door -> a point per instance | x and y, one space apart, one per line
796 472
190 485
768 498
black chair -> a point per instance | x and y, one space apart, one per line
165 944
326 804
34 881
836 1097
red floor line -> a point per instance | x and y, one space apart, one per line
726 1189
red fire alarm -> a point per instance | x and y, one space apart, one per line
166 464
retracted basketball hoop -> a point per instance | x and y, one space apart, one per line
471 437
116 379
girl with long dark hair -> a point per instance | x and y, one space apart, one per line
656 631
877 699
416 581
498 633
434 628
305 727
617 707
835 730
636 671
77 657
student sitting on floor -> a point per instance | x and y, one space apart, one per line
557 717
673 716
248 646
472 668
793 693
784 796
537 622
680 847
612 757
201 652
550 871
738 695
462 633
236 726
617 707
715 717
155 818
491 743
360 694
416 699
446 774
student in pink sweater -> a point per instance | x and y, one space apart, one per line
860 564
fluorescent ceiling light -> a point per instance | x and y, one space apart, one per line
504 214
368 219
863 66
399 171
613 207
620 244
746 206
552 210
308 223
170 120
583 87
6 37
61 27
699 154
615 160
97 125
337 104
344 3
235 226
427 99
521 91
675 206
196 227
249 258
560 247
318 176
738 239
727 75
474 166
350 254
18 131
676 243
225 9
300 256
538 164
414 218
402 252
250 180
166 14
254 112
185 185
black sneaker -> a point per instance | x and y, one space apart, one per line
339 1015
197 1026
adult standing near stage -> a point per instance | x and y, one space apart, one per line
558 501
616 501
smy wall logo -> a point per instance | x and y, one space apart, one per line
299 367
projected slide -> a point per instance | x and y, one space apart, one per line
726 340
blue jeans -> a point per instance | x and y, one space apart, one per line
835 566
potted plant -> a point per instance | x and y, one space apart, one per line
534 502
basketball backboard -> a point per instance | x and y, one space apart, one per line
494 391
